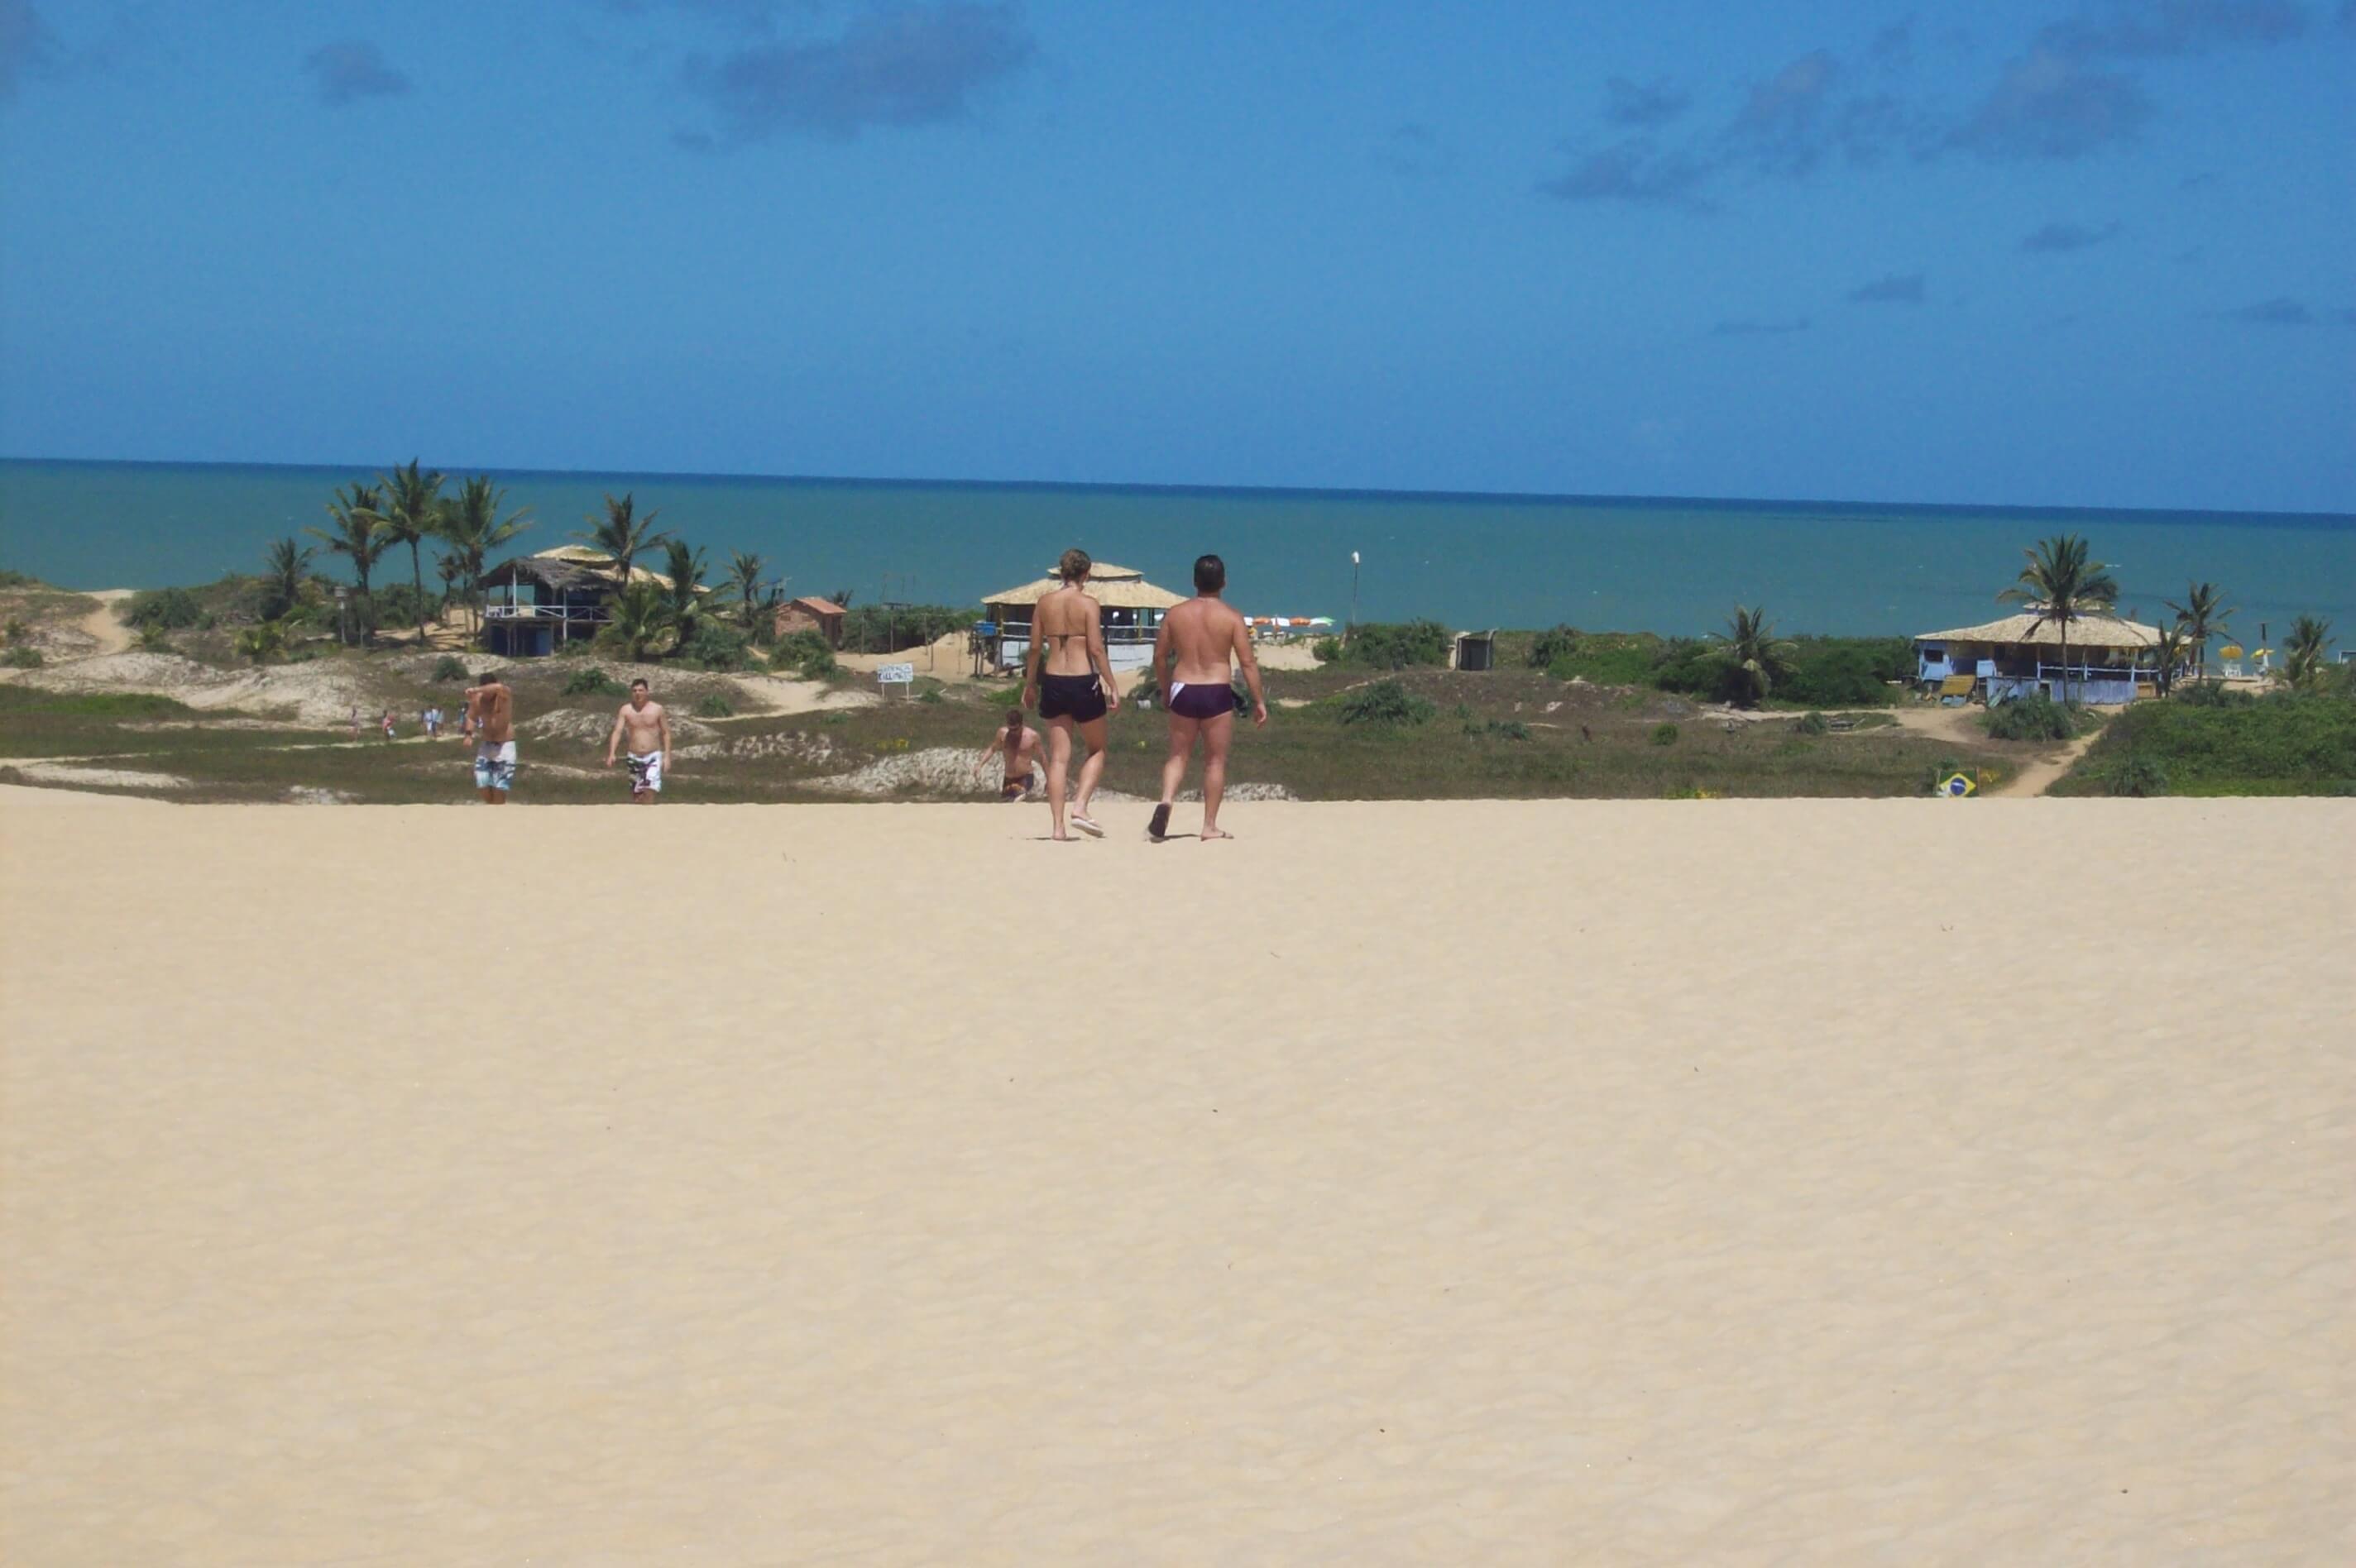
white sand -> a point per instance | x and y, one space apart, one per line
1808 1181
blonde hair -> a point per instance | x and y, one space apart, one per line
1075 566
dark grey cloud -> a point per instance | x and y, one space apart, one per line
1747 327
27 46
2166 29
2275 312
2049 105
348 71
1634 171
2056 238
904 65
1644 105
1898 288
1413 149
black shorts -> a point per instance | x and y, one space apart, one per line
1079 698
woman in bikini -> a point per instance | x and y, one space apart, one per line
1070 681
1019 744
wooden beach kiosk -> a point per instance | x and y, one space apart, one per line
2112 661
1133 617
534 604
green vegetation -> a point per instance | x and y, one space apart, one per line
2034 718
264 642
621 533
448 667
874 629
803 654
2201 617
2302 664
1813 723
410 510
711 705
590 680
173 609
641 622
1402 646
715 646
356 535
1664 734
11 578
2285 743
1750 656
20 657
1385 702
1325 650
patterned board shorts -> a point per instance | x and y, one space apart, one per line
495 766
646 773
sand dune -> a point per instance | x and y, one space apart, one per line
1802 1181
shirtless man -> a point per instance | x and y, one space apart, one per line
648 725
490 713
1019 744
1191 663
1069 681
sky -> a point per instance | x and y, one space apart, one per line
2036 253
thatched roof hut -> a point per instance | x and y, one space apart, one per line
1114 587
2026 629
595 563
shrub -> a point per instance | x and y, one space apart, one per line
1507 729
17 578
716 647
711 705
174 609
1845 672
590 680
1813 723
819 665
1550 648
2134 775
18 631
2034 718
1385 702
22 658
1380 647
1664 734
1325 650
449 666
154 639
2211 694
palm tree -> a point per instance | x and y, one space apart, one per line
411 515
359 534
262 643
752 595
685 567
641 616
451 570
2059 584
2303 652
1751 653
282 578
621 534
2173 642
2202 617
472 527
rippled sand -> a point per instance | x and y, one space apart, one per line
1686 1181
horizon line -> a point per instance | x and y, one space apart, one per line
1356 493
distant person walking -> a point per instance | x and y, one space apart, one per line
490 713
356 721
646 724
1191 663
388 723
1019 744
1069 681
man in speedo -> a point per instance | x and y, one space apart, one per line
1190 665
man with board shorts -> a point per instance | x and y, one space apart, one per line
490 713
1191 658
646 725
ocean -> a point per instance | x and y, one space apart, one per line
1598 563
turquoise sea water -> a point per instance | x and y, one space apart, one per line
1471 560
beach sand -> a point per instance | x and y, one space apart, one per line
1681 1181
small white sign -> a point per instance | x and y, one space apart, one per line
895 675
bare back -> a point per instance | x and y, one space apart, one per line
1068 621
1207 639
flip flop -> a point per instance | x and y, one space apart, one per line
1159 828
1087 824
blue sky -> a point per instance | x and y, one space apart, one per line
2036 254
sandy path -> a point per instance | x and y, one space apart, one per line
110 635
1603 1181
2037 769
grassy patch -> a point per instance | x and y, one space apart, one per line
2277 744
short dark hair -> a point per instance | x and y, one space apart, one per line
1210 575
487 677
639 682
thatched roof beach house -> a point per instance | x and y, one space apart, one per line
2111 660
1132 616
534 604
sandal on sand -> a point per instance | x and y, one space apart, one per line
1087 824
1159 828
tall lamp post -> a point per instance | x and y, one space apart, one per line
1351 630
